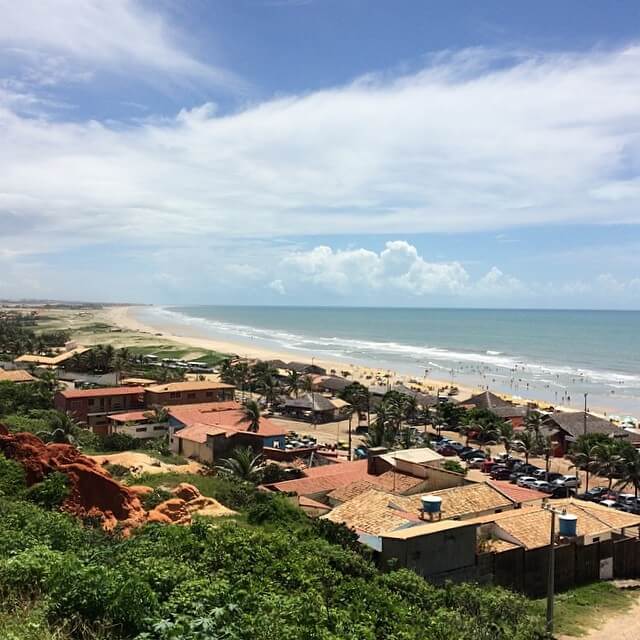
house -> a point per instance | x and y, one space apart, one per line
565 427
377 393
331 384
209 431
137 382
137 424
316 408
92 406
305 368
51 361
189 392
501 408
19 376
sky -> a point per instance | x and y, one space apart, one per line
327 152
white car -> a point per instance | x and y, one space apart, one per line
475 463
571 482
526 481
542 485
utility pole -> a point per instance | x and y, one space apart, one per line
585 413
350 417
551 576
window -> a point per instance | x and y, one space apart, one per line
159 427
209 394
91 402
174 394
141 429
191 395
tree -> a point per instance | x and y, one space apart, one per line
582 453
608 461
269 388
243 464
505 436
158 414
629 469
357 395
251 415
533 421
294 383
527 444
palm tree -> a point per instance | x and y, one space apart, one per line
629 470
533 421
269 388
505 436
583 457
358 397
294 382
527 444
486 432
251 415
546 449
243 464
306 385
608 462
63 429
158 414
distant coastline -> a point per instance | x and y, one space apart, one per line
178 326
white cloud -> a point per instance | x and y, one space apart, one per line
278 287
120 35
453 148
398 266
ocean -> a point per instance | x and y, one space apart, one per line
555 356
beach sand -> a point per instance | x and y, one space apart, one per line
124 318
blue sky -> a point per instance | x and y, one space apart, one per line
321 152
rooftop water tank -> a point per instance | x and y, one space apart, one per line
568 525
431 504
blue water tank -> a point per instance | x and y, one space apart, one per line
568 525
431 504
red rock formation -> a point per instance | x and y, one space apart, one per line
172 510
93 493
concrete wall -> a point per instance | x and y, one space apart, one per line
187 397
438 553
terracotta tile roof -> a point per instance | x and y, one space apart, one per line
130 416
52 360
425 528
224 415
190 385
338 467
498 546
70 394
397 482
199 432
352 490
372 512
18 375
516 493
308 503
466 500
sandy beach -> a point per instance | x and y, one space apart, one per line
124 317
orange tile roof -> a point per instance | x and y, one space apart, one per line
223 415
372 512
131 416
102 392
322 483
352 490
339 467
199 432
516 493
397 482
189 385
18 375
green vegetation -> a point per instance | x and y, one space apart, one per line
276 576
455 466
586 607
17 336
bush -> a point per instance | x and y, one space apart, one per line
51 492
118 442
274 509
12 478
156 497
455 466
116 470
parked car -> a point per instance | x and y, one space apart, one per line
542 485
446 451
594 494
500 473
513 477
561 492
572 482
473 453
608 503
488 465
475 463
525 481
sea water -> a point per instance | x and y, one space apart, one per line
556 356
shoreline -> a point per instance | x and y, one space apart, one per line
122 317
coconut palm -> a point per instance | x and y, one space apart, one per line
251 415
505 436
583 457
527 444
294 382
269 388
243 464
158 414
533 421
629 470
358 397
608 461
